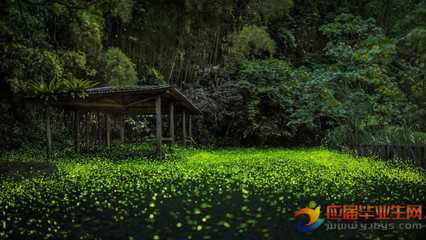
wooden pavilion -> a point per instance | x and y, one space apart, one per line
129 100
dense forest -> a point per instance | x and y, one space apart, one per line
306 119
276 72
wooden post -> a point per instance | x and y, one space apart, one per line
122 128
190 128
48 132
77 131
86 121
99 128
184 128
158 125
108 130
172 125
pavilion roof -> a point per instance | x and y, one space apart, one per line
135 99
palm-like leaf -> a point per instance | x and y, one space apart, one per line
48 90
57 86
78 87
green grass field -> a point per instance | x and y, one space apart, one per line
202 194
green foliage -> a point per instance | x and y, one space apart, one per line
76 65
61 40
77 87
29 64
50 49
350 29
263 11
356 94
118 69
395 134
179 38
218 98
200 194
58 86
388 12
249 103
251 42
21 125
350 78
410 63
87 33
266 88
122 9
153 76
48 90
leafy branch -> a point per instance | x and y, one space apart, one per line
59 86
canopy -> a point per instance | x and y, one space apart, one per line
128 100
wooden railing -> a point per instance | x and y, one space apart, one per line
414 153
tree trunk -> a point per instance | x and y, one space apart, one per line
184 128
108 130
122 128
172 125
158 125
190 128
48 132
77 131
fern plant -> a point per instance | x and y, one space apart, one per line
77 87
47 91
60 86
